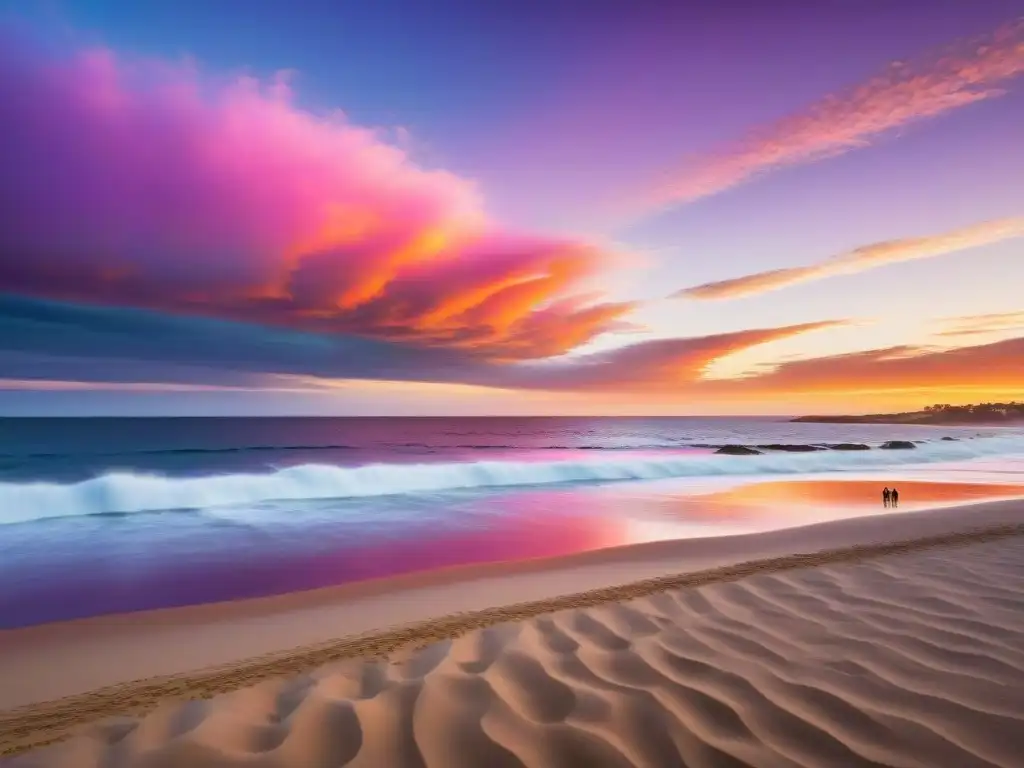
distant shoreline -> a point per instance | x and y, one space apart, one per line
953 417
898 418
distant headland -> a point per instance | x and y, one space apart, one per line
982 414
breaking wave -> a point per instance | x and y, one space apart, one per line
123 492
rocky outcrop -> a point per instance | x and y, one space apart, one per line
738 450
850 447
898 445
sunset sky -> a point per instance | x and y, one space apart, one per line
510 207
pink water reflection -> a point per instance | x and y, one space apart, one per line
528 529
99 578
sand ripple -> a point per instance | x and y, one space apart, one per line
912 660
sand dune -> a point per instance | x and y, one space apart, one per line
914 658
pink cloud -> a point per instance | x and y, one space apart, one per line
965 73
141 183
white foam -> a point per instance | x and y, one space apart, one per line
122 492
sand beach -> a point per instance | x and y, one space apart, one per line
893 639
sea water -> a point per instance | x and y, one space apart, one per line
109 515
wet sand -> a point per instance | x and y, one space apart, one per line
863 494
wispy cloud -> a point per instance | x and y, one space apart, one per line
998 366
661 365
45 345
980 325
861 259
965 73
48 341
70 385
143 183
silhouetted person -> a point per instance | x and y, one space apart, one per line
886 496
895 497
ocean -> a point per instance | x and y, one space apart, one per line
104 515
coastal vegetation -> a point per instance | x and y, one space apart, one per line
980 414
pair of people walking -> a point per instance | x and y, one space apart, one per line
890 497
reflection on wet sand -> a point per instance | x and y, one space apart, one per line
783 504
100 579
860 493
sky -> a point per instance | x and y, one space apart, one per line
536 207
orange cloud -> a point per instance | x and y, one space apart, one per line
996 367
664 366
902 95
502 297
861 259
